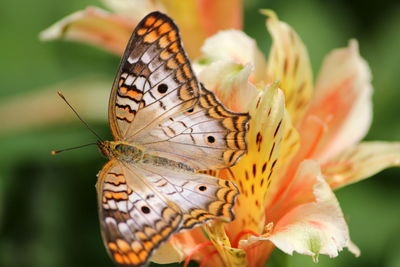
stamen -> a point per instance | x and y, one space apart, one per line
195 250
267 232
240 235
208 257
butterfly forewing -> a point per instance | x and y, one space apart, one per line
155 79
207 136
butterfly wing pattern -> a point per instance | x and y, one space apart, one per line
166 127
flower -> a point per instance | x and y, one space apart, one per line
304 141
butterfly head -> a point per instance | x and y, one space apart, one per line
105 148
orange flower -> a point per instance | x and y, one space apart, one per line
303 142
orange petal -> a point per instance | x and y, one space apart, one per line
313 224
340 113
198 19
179 246
361 161
219 15
289 64
93 26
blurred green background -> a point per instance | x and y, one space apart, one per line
48 209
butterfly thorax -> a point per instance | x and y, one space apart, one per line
129 153
120 151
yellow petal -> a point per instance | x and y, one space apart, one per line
230 256
168 253
93 26
256 169
361 161
236 46
290 144
313 226
289 64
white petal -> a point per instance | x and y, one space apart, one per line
229 81
236 46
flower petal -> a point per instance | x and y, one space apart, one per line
340 114
181 245
46 109
256 169
236 46
199 19
289 64
316 224
93 26
168 253
133 9
229 81
361 161
289 146
230 256
219 15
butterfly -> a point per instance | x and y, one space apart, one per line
166 128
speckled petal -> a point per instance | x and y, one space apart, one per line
314 224
289 64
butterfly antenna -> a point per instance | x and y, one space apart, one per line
79 117
55 152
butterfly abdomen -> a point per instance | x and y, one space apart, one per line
164 162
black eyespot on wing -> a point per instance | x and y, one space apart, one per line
211 139
145 210
202 188
162 88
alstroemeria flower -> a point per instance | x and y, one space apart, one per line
304 141
197 19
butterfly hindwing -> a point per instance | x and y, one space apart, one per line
208 131
155 79
134 219
200 197
142 205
